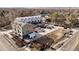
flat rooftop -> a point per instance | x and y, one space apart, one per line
46 31
49 30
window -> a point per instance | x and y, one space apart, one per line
19 35
15 33
19 31
15 29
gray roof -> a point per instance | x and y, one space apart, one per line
24 20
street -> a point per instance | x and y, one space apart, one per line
6 44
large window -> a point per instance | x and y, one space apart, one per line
19 35
19 30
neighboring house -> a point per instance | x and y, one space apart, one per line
22 25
